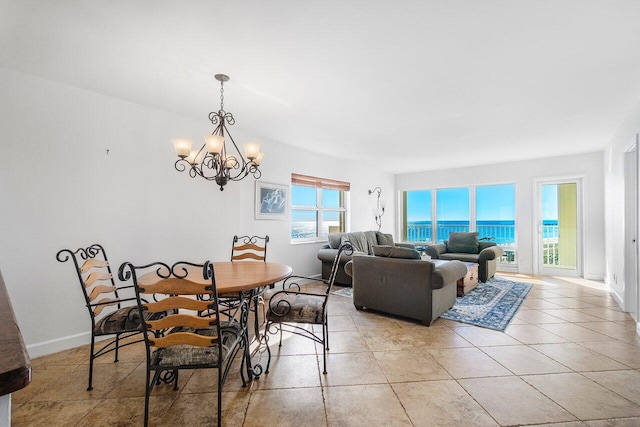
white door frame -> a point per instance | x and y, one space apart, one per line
631 232
538 268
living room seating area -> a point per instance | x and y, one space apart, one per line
363 243
466 247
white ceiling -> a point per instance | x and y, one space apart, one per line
401 85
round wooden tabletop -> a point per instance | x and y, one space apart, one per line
230 276
244 275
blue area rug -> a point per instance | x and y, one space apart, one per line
490 305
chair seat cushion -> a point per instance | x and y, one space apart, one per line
298 308
190 356
126 319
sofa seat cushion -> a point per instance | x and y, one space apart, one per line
466 243
460 257
395 252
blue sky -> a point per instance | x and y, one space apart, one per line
306 196
550 201
493 202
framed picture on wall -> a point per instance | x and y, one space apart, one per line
272 201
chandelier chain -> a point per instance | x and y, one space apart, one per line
222 95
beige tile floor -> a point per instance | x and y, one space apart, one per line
569 358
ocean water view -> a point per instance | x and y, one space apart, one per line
501 232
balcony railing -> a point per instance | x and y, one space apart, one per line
550 245
503 235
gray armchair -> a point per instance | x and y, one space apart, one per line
466 247
405 287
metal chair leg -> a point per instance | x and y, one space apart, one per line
175 383
117 347
326 325
91 357
220 395
266 337
324 349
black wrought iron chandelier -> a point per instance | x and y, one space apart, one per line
213 161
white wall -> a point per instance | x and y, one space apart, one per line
614 176
524 174
60 189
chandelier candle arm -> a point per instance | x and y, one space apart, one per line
215 161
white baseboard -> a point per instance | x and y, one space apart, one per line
638 329
617 298
59 344
594 277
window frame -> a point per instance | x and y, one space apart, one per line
320 184
473 220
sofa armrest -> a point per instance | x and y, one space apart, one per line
329 255
434 251
405 245
326 246
446 273
490 253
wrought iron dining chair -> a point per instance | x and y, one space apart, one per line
190 341
246 248
249 248
110 315
293 306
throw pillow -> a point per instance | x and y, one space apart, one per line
384 239
395 252
463 243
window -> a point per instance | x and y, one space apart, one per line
452 211
318 207
431 215
417 221
496 217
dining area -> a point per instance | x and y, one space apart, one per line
185 318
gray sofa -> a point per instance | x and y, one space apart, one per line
405 287
362 241
466 247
